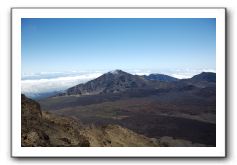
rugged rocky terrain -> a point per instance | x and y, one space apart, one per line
111 82
43 129
180 110
119 81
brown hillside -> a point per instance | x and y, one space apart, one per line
43 129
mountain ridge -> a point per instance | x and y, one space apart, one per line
155 109
160 77
118 81
110 82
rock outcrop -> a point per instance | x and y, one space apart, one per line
44 129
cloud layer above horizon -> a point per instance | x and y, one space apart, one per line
46 82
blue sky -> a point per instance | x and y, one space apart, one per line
50 45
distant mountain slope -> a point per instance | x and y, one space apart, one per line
119 81
111 82
38 96
160 77
202 80
183 109
205 76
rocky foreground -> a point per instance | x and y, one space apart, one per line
43 129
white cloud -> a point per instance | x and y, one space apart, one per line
140 72
35 83
188 73
55 84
